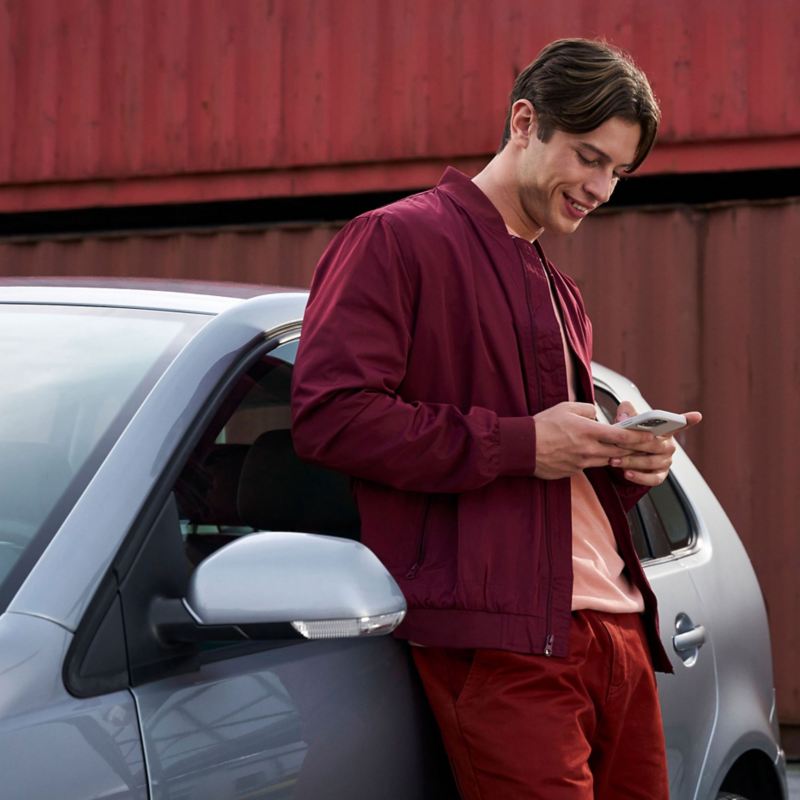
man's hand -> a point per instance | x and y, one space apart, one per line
650 463
569 439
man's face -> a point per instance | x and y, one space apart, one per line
563 180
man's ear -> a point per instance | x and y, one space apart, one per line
523 122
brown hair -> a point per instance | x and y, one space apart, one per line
575 85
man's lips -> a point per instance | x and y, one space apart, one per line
577 209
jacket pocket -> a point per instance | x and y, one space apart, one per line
423 530
392 524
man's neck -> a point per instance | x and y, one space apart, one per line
496 181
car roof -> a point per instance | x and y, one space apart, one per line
204 297
201 297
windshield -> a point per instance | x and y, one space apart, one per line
72 377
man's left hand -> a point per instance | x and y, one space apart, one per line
650 464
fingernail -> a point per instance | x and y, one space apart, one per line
623 415
615 462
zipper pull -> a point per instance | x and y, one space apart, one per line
548 645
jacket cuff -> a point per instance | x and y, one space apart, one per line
517 446
629 493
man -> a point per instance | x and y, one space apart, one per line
445 364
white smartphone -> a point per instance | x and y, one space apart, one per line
658 422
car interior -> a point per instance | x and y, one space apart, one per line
244 474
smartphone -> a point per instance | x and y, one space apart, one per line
658 422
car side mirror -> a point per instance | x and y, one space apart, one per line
280 585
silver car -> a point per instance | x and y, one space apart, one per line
186 611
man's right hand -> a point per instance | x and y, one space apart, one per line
569 439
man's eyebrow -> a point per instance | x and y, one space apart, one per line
603 156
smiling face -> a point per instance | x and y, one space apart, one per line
561 181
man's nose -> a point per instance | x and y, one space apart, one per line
601 185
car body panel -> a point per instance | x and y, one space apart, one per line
266 724
51 743
689 696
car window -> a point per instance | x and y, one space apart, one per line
672 512
661 522
244 475
72 378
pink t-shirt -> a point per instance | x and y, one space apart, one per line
599 582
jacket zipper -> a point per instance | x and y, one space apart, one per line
414 569
549 637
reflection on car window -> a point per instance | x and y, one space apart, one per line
607 403
672 513
73 377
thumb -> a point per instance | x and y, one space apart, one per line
625 410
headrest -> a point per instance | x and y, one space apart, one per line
279 492
207 489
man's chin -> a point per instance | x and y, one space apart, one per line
564 226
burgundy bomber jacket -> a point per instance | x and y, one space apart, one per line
429 341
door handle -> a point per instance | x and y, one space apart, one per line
689 640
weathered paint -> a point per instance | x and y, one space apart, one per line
697 305
143 101
283 256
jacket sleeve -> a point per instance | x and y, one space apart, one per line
629 493
347 411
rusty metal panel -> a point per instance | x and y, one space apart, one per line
283 256
124 89
751 300
713 291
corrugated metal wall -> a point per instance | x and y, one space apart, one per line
283 256
253 97
697 305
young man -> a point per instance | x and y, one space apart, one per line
445 364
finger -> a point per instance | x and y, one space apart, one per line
625 410
660 446
646 478
642 463
692 418
624 437
582 409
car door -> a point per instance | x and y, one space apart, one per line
279 718
665 532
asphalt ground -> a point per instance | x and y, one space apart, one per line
793 771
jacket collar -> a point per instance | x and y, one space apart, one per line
464 192
458 186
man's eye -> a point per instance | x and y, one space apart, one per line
589 162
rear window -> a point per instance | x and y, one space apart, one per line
72 379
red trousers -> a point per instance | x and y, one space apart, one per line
585 727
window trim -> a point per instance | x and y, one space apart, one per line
694 543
